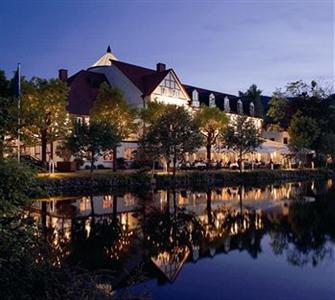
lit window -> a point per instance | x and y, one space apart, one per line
195 98
240 107
211 100
252 109
226 105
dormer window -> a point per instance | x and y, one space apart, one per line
195 98
252 109
226 105
239 107
211 100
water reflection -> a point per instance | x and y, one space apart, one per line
160 231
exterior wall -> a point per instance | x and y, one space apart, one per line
175 96
117 79
258 122
36 151
280 136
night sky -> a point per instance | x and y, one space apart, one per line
220 45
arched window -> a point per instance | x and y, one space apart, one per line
252 109
226 105
211 100
195 98
240 107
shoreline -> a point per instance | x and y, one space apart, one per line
79 183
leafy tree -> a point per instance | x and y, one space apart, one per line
277 111
8 124
328 144
6 86
303 131
211 121
91 140
8 115
241 136
152 112
173 135
17 180
253 94
110 106
44 115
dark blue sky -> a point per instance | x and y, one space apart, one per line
222 45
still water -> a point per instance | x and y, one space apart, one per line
270 242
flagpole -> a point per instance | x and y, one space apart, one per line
18 110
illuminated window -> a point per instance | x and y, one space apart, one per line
240 107
211 100
252 109
226 105
169 86
195 98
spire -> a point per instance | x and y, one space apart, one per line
106 59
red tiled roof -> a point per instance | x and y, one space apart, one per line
84 88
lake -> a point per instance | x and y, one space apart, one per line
265 242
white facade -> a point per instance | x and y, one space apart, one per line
117 79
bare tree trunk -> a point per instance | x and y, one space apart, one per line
209 150
92 162
114 158
241 165
174 168
114 208
44 140
209 206
51 150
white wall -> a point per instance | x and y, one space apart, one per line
117 79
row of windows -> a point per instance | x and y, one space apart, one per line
195 101
169 92
170 82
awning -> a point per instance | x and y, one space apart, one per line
271 147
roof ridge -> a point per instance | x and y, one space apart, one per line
133 65
212 91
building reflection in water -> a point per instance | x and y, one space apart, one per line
164 229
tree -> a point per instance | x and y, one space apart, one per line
328 145
303 131
8 114
44 115
241 136
277 111
211 121
173 135
253 94
8 124
91 140
110 106
152 112
17 182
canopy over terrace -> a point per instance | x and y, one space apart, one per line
269 150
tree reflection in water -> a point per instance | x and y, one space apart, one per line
304 235
167 234
99 241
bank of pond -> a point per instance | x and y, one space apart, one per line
83 183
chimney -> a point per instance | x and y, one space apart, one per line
160 67
62 74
